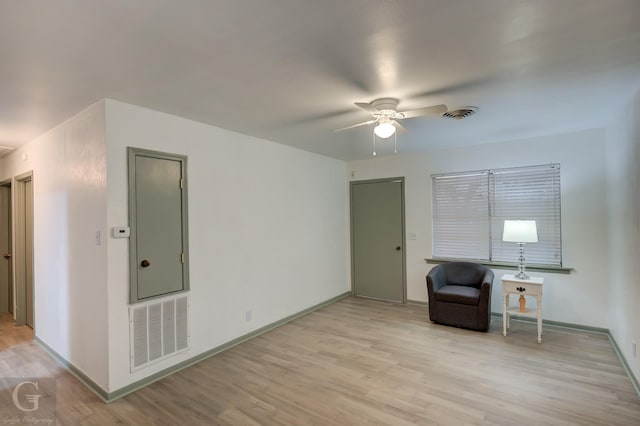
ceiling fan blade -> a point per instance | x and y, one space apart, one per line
356 125
399 127
367 107
431 110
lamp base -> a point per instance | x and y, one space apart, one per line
521 268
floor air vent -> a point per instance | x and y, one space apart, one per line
157 330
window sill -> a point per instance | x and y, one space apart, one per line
505 265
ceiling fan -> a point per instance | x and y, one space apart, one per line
385 112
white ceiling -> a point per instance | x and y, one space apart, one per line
290 70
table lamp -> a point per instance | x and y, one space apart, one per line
521 232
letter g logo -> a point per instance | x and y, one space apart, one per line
32 399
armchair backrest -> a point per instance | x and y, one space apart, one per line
464 273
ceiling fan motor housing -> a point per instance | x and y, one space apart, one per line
385 105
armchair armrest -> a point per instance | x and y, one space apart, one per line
487 280
485 288
435 280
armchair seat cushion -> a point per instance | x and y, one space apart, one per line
462 294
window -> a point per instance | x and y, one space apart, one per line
469 210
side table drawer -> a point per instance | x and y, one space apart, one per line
521 288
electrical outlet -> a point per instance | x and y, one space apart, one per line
633 348
248 316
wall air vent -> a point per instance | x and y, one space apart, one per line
460 112
157 330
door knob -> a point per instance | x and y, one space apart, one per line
7 255
398 248
145 263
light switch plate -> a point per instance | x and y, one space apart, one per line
121 232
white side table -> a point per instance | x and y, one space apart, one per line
529 287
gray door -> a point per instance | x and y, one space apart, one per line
28 249
23 254
377 217
6 263
158 224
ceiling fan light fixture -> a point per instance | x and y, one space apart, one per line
384 130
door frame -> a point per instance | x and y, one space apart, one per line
404 242
19 261
8 183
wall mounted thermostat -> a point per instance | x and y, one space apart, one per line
121 232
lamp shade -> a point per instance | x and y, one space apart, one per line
520 231
384 130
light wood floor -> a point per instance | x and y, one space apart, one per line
361 361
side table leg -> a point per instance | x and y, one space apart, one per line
505 300
539 307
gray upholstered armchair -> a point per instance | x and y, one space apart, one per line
460 295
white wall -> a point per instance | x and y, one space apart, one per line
267 229
70 270
623 172
579 298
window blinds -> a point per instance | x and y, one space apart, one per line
528 193
460 216
469 210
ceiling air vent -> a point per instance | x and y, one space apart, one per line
461 112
